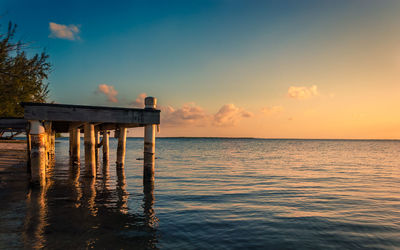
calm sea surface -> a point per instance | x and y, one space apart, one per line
220 194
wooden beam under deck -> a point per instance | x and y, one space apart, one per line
13 124
92 114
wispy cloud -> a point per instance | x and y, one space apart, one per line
139 102
272 110
191 114
229 115
302 92
69 32
109 91
188 114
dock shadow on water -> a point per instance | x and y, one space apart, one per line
75 212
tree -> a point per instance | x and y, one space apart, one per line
22 78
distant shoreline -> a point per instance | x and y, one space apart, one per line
259 138
19 138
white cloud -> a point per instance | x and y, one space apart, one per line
229 115
188 114
70 32
139 102
109 91
191 114
302 93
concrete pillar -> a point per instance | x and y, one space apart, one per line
38 153
90 161
76 146
106 147
149 144
121 147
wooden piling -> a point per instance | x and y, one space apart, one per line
106 148
38 153
70 141
90 161
97 143
53 146
121 147
47 129
28 150
76 147
149 144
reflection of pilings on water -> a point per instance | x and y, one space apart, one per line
104 192
89 195
74 174
122 202
34 235
148 199
106 173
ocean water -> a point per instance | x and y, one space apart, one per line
222 194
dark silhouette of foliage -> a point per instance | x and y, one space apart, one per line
22 78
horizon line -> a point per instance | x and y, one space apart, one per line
247 137
263 138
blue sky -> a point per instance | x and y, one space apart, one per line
207 54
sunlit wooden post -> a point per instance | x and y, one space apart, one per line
106 146
28 150
38 153
90 161
149 144
121 147
48 143
53 146
70 141
76 146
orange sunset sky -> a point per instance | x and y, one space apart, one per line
268 69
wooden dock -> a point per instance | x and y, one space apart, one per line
42 121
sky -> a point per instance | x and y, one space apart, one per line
228 68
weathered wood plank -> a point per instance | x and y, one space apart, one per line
80 113
13 123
